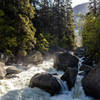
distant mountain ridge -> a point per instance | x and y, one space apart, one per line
81 9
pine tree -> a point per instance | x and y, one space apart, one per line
98 6
17 29
91 33
56 19
93 6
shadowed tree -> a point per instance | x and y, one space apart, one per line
16 29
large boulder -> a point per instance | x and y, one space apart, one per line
70 77
2 64
34 58
64 60
56 49
10 60
12 70
91 82
2 71
46 82
88 61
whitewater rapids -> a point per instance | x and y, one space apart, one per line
17 88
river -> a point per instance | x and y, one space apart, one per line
17 88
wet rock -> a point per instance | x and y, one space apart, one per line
86 68
46 82
88 61
21 56
2 64
3 58
70 77
34 58
54 74
82 73
11 60
10 76
12 70
64 60
2 71
91 82
80 51
56 49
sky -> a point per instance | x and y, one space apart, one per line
77 2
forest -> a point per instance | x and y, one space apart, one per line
49 50
91 33
33 24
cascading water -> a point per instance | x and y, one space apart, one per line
64 89
78 91
17 88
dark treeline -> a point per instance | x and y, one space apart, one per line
21 30
16 27
94 6
54 20
91 30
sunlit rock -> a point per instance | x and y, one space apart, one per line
2 71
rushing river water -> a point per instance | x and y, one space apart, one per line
17 88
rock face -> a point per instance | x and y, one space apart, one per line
64 60
56 49
33 58
79 51
91 83
2 64
46 82
70 77
10 60
12 70
89 60
2 71
86 68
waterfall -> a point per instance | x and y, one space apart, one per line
78 91
78 38
64 89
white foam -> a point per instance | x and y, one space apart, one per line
23 78
17 88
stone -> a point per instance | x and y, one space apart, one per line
91 82
2 71
70 77
34 58
46 82
86 68
12 70
64 60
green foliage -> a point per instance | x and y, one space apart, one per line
42 43
7 38
91 35
16 28
1 13
55 21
